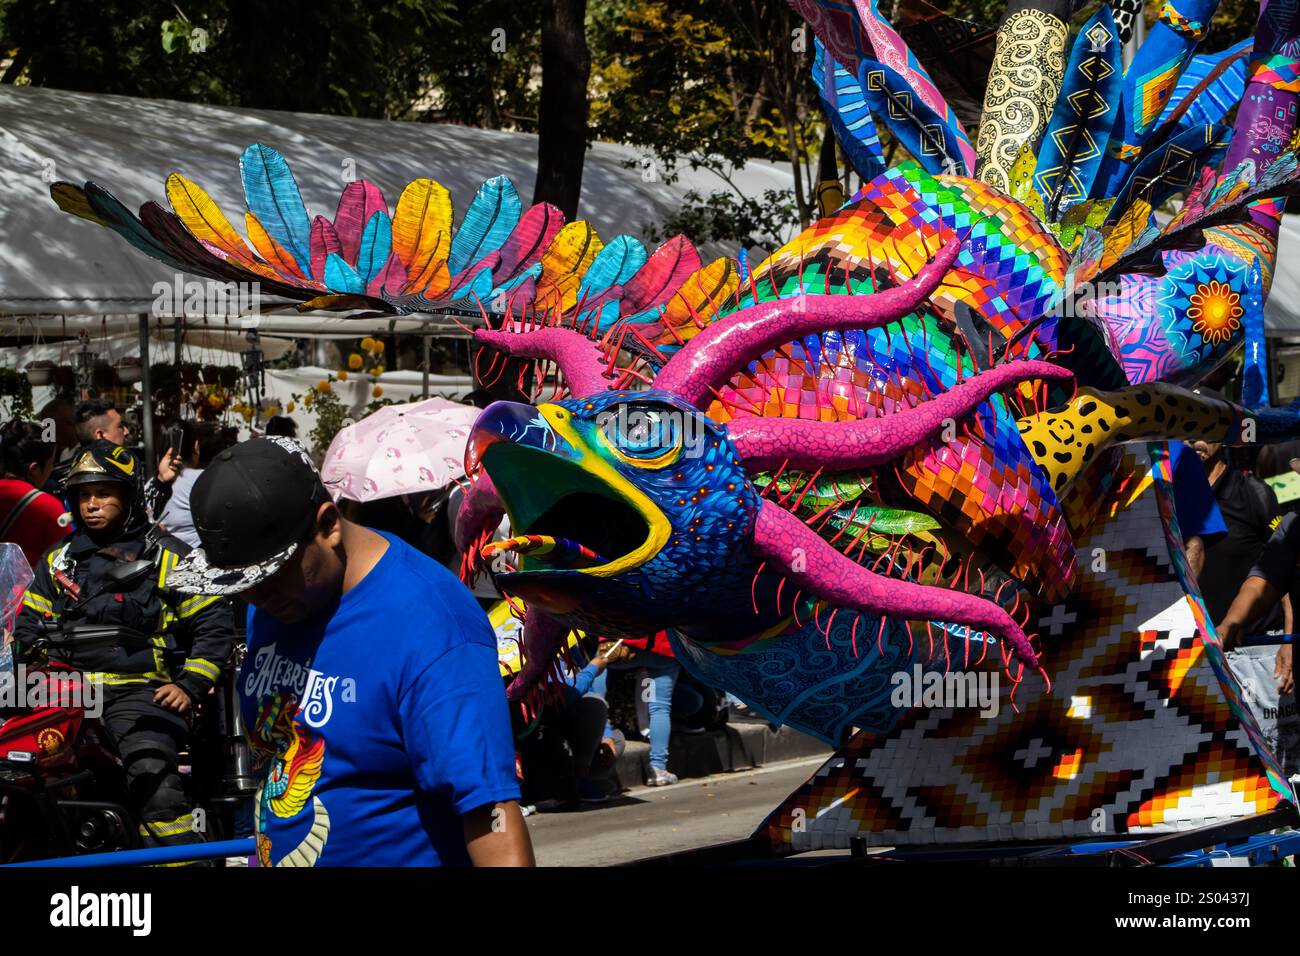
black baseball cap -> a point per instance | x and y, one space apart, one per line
252 508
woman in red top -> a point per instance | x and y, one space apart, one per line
29 517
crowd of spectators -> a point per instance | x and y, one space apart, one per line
567 749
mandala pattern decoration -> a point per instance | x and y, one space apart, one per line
1199 307
1215 310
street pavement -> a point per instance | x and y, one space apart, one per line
648 821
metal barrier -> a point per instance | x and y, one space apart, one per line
1262 640
154 856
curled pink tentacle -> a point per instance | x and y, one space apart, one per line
579 358
710 358
542 637
481 511
802 555
764 443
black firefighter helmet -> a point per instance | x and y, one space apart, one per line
101 461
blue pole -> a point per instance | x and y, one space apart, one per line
152 856
1260 640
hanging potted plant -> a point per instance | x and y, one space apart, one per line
15 393
40 372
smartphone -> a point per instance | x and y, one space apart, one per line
175 438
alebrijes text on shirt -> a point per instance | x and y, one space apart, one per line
270 671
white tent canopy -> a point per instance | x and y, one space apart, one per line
51 262
1282 307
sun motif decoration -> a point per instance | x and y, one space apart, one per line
1215 311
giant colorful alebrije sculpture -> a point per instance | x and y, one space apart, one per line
880 447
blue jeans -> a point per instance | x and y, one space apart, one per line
656 691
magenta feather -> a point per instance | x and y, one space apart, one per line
360 200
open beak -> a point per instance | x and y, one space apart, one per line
569 508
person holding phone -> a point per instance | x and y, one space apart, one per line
561 756
184 447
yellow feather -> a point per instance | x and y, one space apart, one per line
564 263
435 280
205 221
72 199
1124 232
421 229
693 306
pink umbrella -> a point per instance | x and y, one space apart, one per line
400 449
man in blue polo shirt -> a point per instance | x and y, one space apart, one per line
370 689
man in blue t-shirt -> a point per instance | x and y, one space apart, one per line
1199 518
370 688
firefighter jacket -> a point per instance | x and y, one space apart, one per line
183 639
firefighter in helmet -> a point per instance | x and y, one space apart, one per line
156 653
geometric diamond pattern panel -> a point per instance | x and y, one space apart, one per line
1136 735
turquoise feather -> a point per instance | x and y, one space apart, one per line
613 266
376 243
341 277
272 195
488 222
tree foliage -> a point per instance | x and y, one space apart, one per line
344 57
693 83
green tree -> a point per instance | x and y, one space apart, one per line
712 84
488 70
344 57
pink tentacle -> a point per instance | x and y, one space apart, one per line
721 350
543 636
764 443
578 357
781 538
482 510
